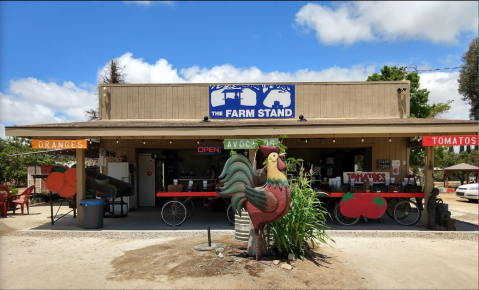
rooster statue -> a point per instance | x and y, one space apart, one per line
265 203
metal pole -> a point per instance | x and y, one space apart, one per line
35 181
51 205
209 237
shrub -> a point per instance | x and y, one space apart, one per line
303 227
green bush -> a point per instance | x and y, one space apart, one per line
13 190
303 227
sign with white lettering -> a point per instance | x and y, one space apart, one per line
450 140
248 143
360 177
384 163
251 101
59 144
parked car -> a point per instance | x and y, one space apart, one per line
468 191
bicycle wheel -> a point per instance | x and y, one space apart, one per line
330 206
343 220
391 203
189 205
173 213
406 213
231 214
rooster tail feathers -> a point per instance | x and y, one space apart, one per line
233 159
232 188
238 166
238 202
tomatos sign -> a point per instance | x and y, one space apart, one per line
360 177
214 149
450 140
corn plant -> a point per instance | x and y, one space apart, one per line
303 227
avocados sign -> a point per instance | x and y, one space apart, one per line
248 143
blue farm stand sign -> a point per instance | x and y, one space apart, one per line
251 101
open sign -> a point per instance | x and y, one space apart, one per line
213 149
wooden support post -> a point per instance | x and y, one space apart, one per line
251 156
428 180
81 191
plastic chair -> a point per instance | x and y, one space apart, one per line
23 199
4 193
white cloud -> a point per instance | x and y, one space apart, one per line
350 22
162 71
32 101
149 3
443 87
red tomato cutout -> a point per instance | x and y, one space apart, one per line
373 206
351 205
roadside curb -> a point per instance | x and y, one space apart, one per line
161 234
451 235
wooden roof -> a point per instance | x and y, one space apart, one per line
319 127
462 167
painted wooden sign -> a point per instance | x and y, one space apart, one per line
384 163
450 140
59 144
360 177
356 205
248 143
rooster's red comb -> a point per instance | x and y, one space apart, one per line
266 150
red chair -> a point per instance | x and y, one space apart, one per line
4 193
23 199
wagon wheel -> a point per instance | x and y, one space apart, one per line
343 220
406 213
330 206
391 203
189 205
173 213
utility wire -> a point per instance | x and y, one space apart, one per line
439 68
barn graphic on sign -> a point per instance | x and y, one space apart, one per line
251 101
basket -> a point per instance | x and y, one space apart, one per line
413 189
378 188
357 188
342 189
394 188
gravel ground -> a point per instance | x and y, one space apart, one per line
165 259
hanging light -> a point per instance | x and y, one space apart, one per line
144 140
418 138
116 140
305 140
362 138
90 141
334 138
171 142
198 141
389 137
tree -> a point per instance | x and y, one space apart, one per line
419 107
468 78
13 169
114 74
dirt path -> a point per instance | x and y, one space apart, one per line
65 262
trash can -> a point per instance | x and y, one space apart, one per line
92 213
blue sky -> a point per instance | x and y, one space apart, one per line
51 52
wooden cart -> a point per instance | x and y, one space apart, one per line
176 211
400 207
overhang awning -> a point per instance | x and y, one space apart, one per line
188 128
